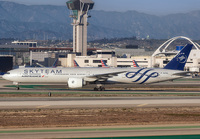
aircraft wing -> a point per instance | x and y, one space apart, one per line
182 73
102 77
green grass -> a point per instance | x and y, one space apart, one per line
152 137
99 129
29 86
102 129
47 88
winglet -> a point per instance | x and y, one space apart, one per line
135 64
179 61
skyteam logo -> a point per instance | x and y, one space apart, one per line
142 75
182 58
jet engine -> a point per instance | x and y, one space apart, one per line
75 83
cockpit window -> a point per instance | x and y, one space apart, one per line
8 73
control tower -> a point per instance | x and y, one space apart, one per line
80 9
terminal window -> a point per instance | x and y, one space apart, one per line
96 61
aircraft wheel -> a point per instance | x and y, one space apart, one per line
96 89
102 88
99 89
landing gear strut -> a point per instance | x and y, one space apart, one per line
17 85
17 88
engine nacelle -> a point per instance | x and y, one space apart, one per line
75 83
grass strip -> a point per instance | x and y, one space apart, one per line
99 129
152 137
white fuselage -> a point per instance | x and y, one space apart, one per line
62 75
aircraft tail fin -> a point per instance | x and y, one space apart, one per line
179 61
76 64
104 65
135 64
55 64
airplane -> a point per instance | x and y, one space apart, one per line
104 65
135 64
55 64
76 65
79 77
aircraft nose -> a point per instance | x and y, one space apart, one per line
6 76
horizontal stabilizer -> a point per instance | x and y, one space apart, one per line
182 74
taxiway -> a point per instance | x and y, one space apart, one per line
90 102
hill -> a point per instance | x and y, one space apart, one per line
52 22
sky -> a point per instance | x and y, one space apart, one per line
156 7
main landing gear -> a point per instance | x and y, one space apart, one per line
100 88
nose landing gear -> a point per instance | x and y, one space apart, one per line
17 85
17 88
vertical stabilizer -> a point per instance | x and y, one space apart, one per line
179 61
135 64
55 64
76 65
104 65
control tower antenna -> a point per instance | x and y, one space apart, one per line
80 9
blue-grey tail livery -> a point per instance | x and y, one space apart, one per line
179 61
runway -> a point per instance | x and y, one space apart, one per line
97 102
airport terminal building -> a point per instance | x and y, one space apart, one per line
25 53
124 57
193 63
